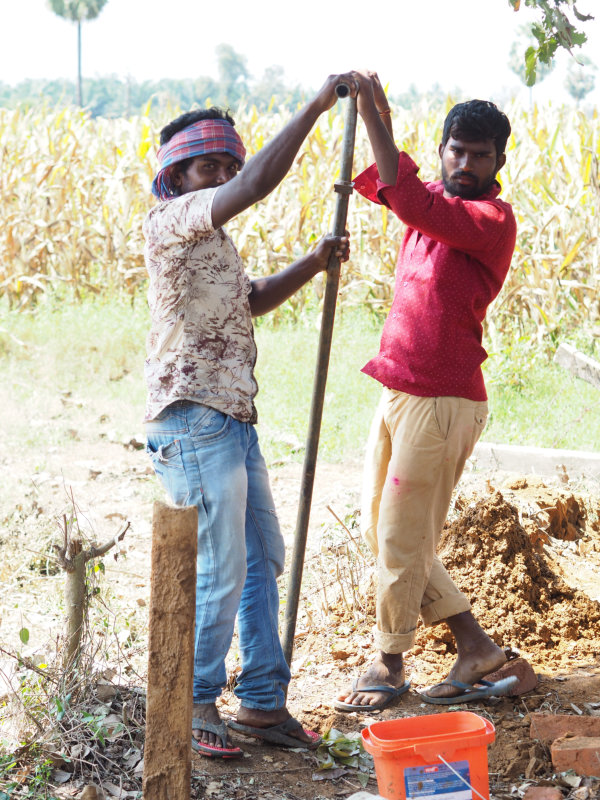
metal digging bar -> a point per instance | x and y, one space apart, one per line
343 187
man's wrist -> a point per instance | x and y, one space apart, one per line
316 107
369 111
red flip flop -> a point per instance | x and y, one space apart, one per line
213 751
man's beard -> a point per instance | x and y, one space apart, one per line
467 191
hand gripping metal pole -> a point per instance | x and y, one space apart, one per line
343 187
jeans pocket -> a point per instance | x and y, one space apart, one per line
208 423
167 460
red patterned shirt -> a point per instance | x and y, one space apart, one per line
453 260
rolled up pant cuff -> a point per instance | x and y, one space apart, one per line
448 606
393 642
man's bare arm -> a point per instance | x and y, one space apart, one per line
381 103
264 171
271 291
379 127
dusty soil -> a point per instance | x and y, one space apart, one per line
526 551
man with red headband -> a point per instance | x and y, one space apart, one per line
200 413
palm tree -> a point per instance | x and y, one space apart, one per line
78 11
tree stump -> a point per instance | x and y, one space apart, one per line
167 752
73 559
75 600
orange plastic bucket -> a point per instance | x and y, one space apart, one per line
434 757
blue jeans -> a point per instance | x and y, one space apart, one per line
208 459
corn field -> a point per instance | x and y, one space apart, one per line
75 190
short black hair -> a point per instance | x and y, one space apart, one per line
476 120
190 117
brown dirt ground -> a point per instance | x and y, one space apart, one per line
526 551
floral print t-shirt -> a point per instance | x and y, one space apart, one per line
201 341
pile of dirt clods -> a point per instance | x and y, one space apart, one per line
517 596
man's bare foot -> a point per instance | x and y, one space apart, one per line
478 655
386 669
208 712
257 718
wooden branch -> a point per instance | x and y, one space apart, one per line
578 364
41 554
61 552
28 664
68 563
73 559
260 771
96 552
75 601
353 539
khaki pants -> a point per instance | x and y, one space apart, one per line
416 453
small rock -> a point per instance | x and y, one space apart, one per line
579 753
92 792
340 655
583 793
133 444
524 672
547 727
105 692
533 766
543 793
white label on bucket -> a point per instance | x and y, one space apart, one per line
438 782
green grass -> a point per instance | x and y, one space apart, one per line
535 402
89 357
86 358
287 358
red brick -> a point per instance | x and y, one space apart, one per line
543 793
579 753
524 672
547 727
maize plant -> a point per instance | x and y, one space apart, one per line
75 190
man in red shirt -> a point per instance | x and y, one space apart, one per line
453 260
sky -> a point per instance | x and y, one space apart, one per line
462 45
